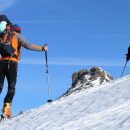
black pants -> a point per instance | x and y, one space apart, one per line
11 74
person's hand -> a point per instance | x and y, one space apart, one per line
127 57
45 47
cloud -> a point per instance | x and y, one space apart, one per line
4 4
66 61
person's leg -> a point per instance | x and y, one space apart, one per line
11 75
2 75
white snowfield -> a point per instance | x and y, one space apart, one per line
105 107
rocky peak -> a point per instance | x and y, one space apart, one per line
85 79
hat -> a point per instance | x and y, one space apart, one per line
17 28
4 18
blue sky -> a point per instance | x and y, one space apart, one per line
80 34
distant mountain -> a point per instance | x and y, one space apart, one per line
100 107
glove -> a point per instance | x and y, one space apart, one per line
127 57
45 47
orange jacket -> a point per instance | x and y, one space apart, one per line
16 46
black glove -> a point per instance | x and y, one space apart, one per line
127 57
45 47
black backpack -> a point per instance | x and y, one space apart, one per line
6 48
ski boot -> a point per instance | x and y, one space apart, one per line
6 110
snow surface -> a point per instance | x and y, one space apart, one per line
100 108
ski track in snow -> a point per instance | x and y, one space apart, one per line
105 107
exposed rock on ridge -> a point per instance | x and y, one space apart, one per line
85 79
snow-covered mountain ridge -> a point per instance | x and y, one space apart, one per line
85 79
99 108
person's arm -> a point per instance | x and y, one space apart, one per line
23 42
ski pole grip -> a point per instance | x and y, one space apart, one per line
45 45
43 48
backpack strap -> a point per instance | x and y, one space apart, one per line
7 35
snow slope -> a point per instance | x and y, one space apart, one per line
101 108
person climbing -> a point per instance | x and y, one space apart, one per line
127 59
11 42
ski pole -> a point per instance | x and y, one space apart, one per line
124 68
47 76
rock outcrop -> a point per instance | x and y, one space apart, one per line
85 79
